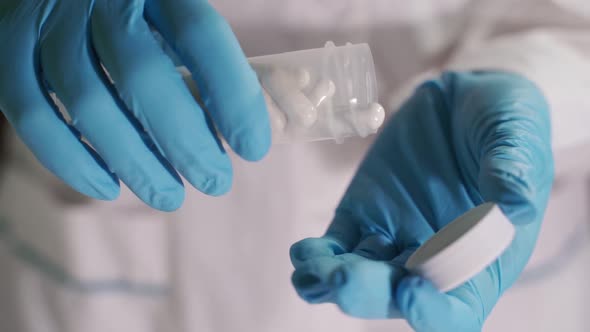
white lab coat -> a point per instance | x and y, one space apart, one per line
221 264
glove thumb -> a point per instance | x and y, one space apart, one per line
508 133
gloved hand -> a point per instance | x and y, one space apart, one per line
459 141
145 127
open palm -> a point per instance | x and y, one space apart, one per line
459 141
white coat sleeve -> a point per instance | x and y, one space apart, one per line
545 41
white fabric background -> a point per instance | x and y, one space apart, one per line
221 264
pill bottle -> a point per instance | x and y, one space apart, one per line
318 94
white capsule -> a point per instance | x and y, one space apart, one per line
323 90
284 90
278 120
303 77
374 117
367 121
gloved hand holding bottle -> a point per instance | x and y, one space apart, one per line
460 140
146 128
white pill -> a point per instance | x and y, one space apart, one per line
366 121
303 77
284 90
323 90
374 116
278 120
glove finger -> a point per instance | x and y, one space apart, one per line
315 259
340 238
228 86
510 141
377 247
313 278
516 170
36 120
365 288
312 248
155 93
509 161
70 68
428 310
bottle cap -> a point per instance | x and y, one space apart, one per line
463 248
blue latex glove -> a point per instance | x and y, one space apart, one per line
146 127
461 140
